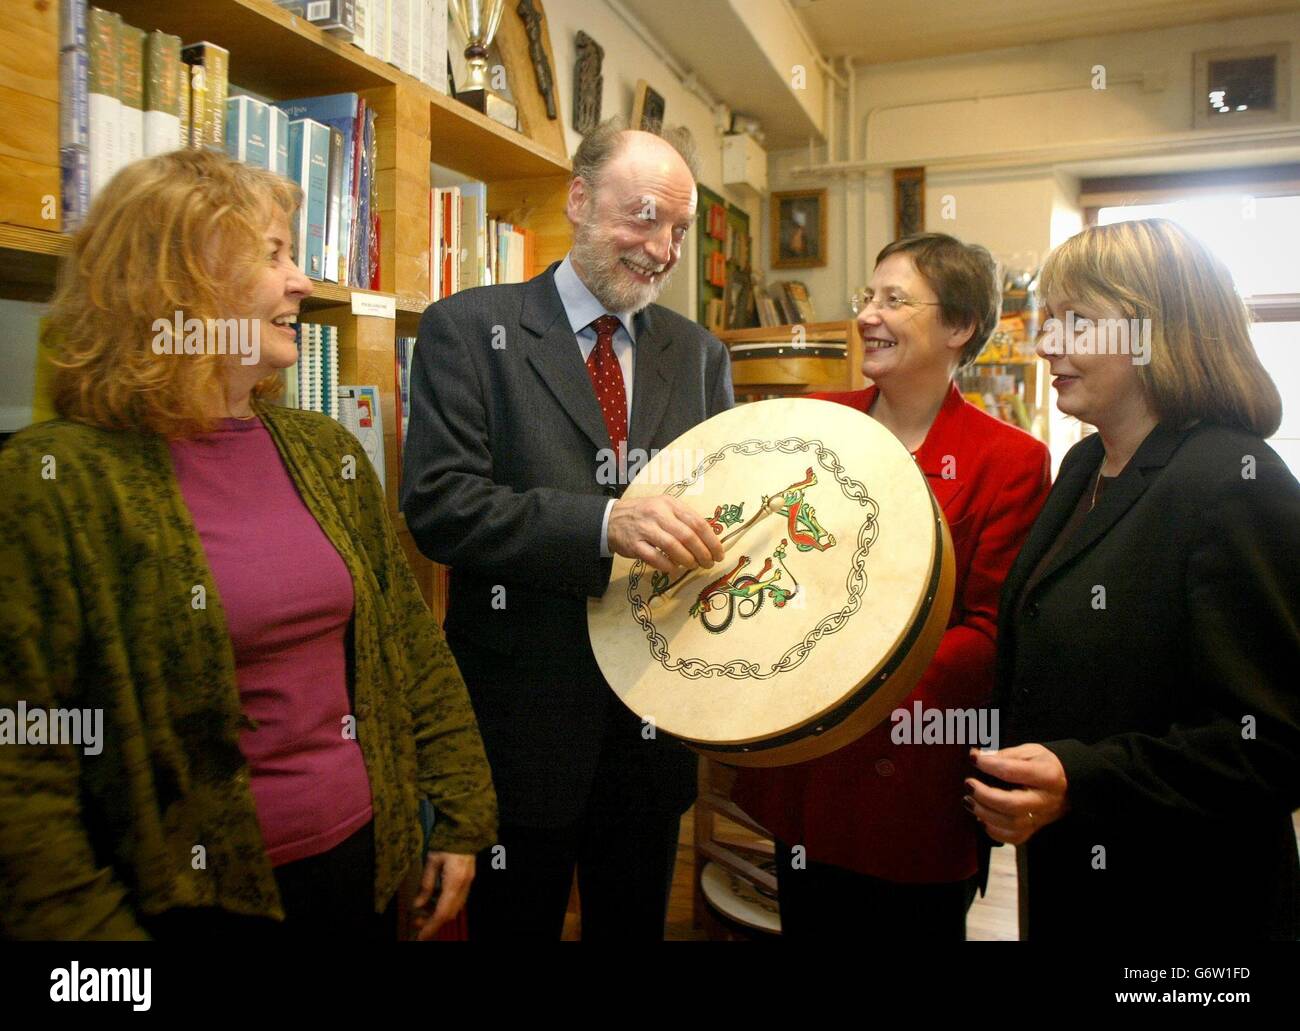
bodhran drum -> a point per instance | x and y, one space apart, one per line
831 601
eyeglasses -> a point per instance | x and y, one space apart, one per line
864 298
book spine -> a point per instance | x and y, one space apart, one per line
379 12
361 35
210 77
132 42
399 31
417 39
162 101
298 172
186 103
373 226
74 114
103 103
277 140
313 165
73 101
246 129
435 44
333 207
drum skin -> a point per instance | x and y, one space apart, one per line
831 601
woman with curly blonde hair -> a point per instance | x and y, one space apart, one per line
1150 627
212 585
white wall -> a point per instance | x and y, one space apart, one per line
628 58
1010 164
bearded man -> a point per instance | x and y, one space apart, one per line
524 397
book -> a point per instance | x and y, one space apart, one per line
131 60
333 230
309 168
434 69
473 234
338 111
247 121
379 34
74 114
162 100
372 225
399 34
367 418
277 140
209 77
103 96
186 102
364 26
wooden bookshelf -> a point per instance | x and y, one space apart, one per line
279 56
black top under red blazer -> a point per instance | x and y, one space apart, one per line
1157 657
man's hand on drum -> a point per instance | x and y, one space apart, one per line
1013 817
663 533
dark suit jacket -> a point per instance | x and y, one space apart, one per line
1174 708
500 482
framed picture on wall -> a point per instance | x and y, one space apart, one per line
647 109
799 229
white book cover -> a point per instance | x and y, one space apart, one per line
399 32
277 140
370 424
435 44
455 239
380 13
435 243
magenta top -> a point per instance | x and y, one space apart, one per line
288 602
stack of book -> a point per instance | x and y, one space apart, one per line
331 155
128 94
411 35
312 384
467 248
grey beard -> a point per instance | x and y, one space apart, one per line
604 276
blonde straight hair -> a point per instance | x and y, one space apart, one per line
1203 363
177 232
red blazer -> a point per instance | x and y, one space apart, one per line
894 810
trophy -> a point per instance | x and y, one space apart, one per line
477 21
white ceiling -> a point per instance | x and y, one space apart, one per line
903 30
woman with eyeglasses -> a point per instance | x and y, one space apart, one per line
1151 626
875 835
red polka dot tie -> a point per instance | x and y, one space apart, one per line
607 378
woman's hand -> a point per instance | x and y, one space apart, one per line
451 874
1013 817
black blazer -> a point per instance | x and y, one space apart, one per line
499 482
1157 657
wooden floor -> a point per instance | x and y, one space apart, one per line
991 918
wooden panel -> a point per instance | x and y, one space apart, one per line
512 40
483 149
29 50
28 192
29 115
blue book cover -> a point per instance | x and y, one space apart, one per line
309 145
338 111
247 122
72 24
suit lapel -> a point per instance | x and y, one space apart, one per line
1152 454
652 380
554 354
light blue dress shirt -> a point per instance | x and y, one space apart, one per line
582 309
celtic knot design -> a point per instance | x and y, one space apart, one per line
831 623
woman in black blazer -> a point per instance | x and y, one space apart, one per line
1149 637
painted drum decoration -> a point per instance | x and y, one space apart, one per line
830 603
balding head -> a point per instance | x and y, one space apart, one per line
631 201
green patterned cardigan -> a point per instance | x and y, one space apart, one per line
99 561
